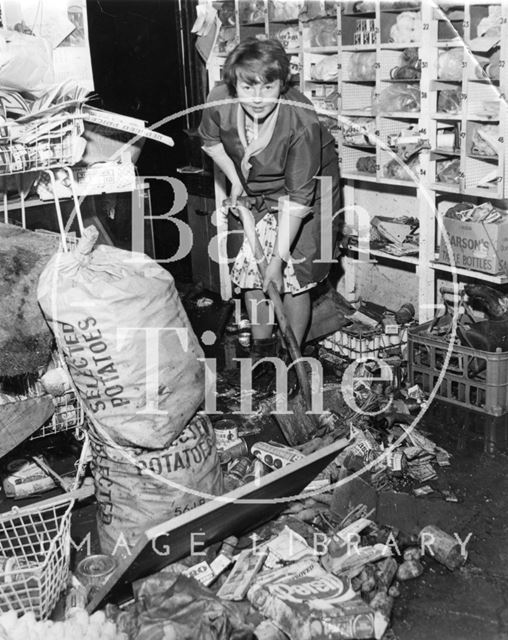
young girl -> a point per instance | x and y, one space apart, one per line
266 138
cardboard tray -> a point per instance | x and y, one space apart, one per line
235 513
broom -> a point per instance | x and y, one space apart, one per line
298 426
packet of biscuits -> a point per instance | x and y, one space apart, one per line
308 603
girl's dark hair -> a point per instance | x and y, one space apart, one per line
256 61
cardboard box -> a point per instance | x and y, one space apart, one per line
476 245
105 177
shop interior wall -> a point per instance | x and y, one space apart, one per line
139 71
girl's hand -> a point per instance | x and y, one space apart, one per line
274 274
237 191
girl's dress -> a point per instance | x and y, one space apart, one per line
282 159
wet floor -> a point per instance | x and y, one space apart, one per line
472 602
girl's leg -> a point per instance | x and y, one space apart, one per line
298 310
261 316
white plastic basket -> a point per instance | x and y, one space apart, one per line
36 540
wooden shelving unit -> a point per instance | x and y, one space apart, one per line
443 30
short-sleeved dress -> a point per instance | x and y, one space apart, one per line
285 161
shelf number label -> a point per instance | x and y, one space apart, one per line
462 174
377 65
465 24
424 64
463 97
501 64
462 134
501 139
378 167
425 26
423 94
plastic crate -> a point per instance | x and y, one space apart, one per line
36 540
354 344
473 378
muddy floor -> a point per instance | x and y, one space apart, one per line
471 603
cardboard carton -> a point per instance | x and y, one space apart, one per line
476 245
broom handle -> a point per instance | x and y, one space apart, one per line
287 333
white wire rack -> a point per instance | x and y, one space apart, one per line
41 143
68 416
35 552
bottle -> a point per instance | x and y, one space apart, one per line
76 598
244 333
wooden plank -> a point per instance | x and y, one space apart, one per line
19 420
235 513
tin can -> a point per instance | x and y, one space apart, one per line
239 468
94 571
237 450
226 433
442 546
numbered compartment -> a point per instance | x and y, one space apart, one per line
445 171
359 131
359 30
450 22
483 176
287 34
286 12
251 13
357 99
485 20
483 101
447 138
321 34
400 26
486 66
396 131
451 62
399 98
447 98
359 66
321 67
400 65
395 167
359 162
323 96
484 140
